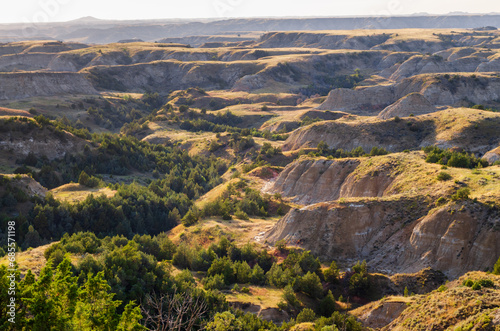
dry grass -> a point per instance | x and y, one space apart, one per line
456 307
76 192
263 296
32 259
211 229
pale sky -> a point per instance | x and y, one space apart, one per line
63 10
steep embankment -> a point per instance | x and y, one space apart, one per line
438 89
20 138
387 212
32 84
413 104
170 75
493 155
471 129
455 307
312 181
397 234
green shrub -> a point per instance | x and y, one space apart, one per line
289 297
496 268
332 273
468 282
240 214
306 315
453 159
215 282
476 286
440 201
311 285
443 176
327 306
461 194
486 283
442 288
280 245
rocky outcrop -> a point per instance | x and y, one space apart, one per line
381 313
314 181
470 129
361 101
492 156
20 139
26 85
439 90
456 240
454 307
25 62
27 184
345 232
170 75
397 235
393 136
412 104
199 41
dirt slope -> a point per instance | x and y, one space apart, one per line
471 129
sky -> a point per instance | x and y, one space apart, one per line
36 11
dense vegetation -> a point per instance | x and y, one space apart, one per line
453 158
134 208
103 291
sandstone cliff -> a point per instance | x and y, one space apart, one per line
493 155
25 85
396 235
438 89
412 104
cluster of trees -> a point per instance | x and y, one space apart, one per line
240 200
134 209
54 301
101 291
121 155
115 274
323 150
452 158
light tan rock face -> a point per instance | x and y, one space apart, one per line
493 155
312 181
465 60
456 241
413 103
26 62
167 75
383 313
26 85
345 232
396 235
362 101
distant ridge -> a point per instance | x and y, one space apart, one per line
86 19
93 30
